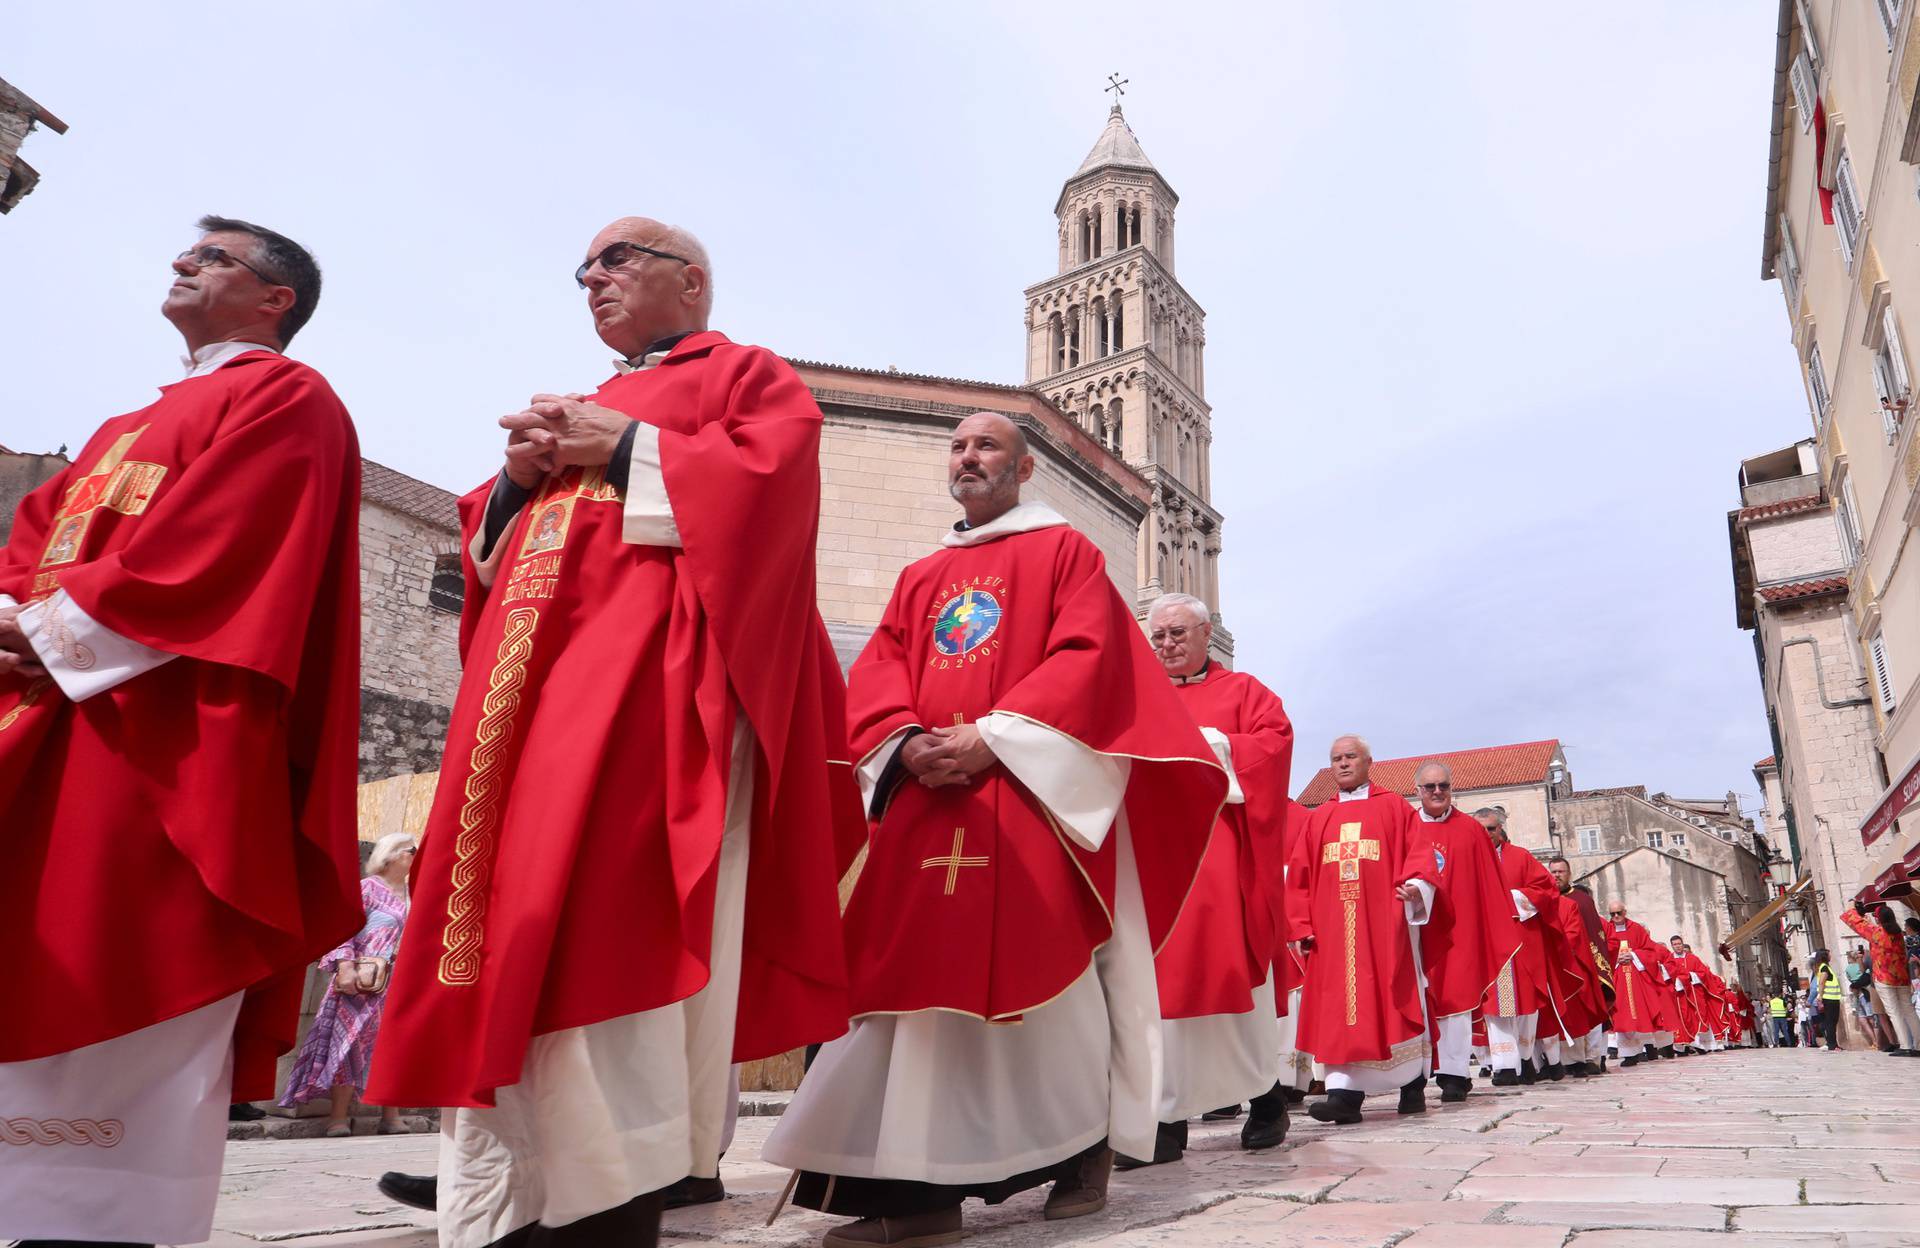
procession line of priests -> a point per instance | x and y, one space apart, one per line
179 678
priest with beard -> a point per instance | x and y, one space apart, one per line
1471 935
1042 805
1359 880
1216 974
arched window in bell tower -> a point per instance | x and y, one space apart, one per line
1086 237
1134 231
1119 323
1115 430
1100 328
1074 317
1096 416
1057 343
1097 222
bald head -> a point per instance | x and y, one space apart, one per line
1433 784
987 461
658 284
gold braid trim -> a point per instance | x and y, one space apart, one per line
102 1132
27 698
480 815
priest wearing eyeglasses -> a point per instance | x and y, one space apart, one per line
179 717
629 878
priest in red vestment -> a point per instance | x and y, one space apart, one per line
1637 969
179 709
1471 935
1221 1029
628 880
1698 1008
1588 1054
1576 986
1359 879
1042 804
1520 1008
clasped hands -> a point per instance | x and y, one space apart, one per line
557 430
945 756
16 652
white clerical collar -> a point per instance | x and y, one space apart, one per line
215 354
1021 518
652 355
1427 818
1197 677
1364 791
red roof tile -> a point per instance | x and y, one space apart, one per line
1785 507
409 495
1768 761
1793 590
1493 767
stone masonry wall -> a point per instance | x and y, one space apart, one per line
409 649
1796 547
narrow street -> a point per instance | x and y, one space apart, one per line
1792 1147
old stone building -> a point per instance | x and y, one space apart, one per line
18 116
1117 343
1523 780
1841 233
1791 580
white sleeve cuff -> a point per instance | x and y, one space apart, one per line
1223 750
647 519
1522 908
874 766
83 656
1418 912
1082 788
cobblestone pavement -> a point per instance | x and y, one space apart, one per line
1777 1148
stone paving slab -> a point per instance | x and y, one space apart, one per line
1730 1151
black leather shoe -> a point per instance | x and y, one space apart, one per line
1267 1121
1506 1078
1629 1061
1294 1096
1527 1072
245 1111
1341 1108
1454 1088
1413 1096
1225 1113
418 1191
692 1191
1666 1051
1169 1144
1555 1072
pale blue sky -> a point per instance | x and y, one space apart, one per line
1486 338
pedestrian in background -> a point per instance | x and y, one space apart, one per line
333 1061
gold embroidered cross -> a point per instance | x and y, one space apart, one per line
1349 850
954 861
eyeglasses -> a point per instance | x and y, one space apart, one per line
1616 914
619 256
212 255
1441 787
1159 635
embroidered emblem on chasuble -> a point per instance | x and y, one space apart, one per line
965 621
954 860
115 483
1350 851
99 1132
532 577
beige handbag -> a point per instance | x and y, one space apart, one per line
371 974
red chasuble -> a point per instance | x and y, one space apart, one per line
1576 986
1472 932
973 899
1635 992
1362 996
189 833
1224 945
1520 871
567 873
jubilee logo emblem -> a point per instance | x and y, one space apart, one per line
965 622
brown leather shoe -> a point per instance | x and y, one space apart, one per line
1085 1191
920 1230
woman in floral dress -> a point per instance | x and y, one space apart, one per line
333 1061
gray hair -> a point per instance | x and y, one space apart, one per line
1499 816
280 260
682 243
385 848
1357 739
1430 763
1166 601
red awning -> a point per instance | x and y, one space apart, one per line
1901 794
1911 863
1893 882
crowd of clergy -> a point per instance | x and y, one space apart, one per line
1026 883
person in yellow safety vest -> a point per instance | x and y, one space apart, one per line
1782 1026
1830 994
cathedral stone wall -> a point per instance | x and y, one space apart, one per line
409 648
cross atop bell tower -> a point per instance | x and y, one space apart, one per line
1118 345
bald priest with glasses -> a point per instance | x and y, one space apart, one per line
179 716
629 878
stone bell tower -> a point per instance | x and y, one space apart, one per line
1118 344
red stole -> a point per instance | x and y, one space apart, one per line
1362 997
1224 945
1472 932
189 834
568 869
973 899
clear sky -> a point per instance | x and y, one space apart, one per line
1486 335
